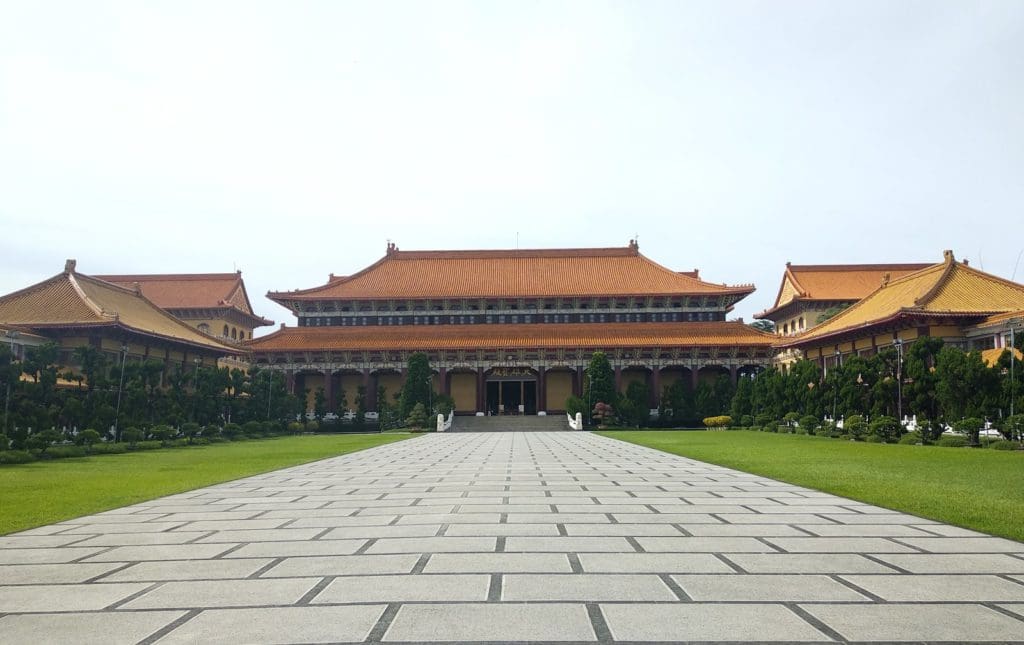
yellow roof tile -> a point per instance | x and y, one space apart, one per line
950 288
511 274
72 299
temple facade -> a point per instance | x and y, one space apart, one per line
510 332
952 300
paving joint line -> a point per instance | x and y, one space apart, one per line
815 622
315 591
855 587
127 599
170 627
598 623
265 568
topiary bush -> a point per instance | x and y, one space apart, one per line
191 431
874 438
88 438
971 427
1004 445
722 421
148 445
952 441
132 436
791 418
746 421
296 428
854 426
764 420
162 433
809 423
910 439
16 457
887 429
253 429
231 431
105 448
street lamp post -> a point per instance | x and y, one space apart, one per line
120 387
1014 322
899 380
835 386
430 394
12 334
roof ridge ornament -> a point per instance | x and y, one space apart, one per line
69 265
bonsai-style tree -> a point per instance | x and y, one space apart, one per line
417 418
602 414
599 381
418 387
87 438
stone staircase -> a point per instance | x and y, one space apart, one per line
551 423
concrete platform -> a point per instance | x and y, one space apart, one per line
507 537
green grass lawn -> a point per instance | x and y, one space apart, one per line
973 488
44 492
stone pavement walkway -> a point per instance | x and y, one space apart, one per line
507 537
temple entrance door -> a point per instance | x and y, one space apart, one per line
511 396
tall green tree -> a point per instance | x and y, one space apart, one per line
966 385
599 385
418 386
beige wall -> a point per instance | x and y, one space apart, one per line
350 383
463 389
558 388
393 382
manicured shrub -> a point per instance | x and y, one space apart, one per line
88 438
313 426
200 442
952 441
296 428
1004 445
43 439
791 418
723 421
216 439
800 430
772 428
162 433
854 426
809 423
783 429
874 438
148 445
16 457
191 431
844 437
746 421
971 427
910 439
107 448
132 436
63 452
886 428
231 431
764 420
253 429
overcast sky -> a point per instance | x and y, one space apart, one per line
292 140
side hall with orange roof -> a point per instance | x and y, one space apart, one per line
511 331
950 300
216 304
74 309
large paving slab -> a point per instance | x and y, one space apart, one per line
508 537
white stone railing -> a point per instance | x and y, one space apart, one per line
577 423
442 424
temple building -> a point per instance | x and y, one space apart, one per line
510 332
73 309
951 300
216 304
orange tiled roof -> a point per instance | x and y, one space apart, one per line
511 274
991 356
831 282
949 288
71 299
191 291
1003 318
543 336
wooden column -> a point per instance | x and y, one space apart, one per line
481 390
577 386
694 378
542 394
371 391
618 379
734 374
442 377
